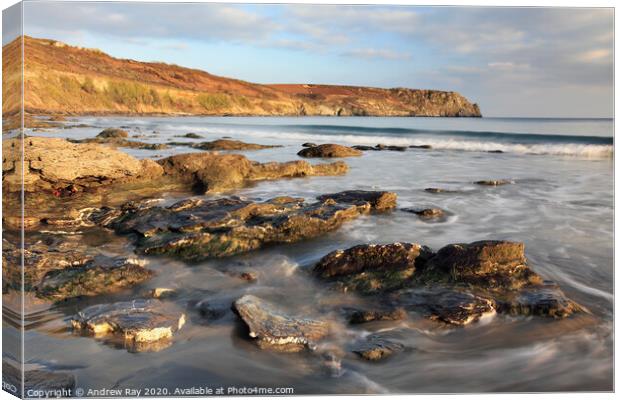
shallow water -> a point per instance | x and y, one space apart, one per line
560 205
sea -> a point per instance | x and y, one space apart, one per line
560 204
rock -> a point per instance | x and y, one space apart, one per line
137 321
248 276
422 146
380 147
209 311
546 300
426 213
438 190
53 164
380 201
446 305
362 316
486 264
496 182
100 275
226 144
495 151
370 269
391 148
308 144
112 133
329 151
191 136
163 293
376 348
276 330
38 382
213 172
196 229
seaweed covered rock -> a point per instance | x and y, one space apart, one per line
457 285
100 275
485 264
65 269
276 330
329 151
135 322
380 201
196 229
214 172
373 268
53 164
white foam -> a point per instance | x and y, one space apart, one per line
596 151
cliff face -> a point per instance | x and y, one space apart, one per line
63 79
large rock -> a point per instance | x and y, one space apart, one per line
485 264
55 164
373 268
214 172
329 151
136 322
457 285
276 330
197 229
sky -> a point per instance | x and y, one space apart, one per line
524 62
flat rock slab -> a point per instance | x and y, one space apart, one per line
197 229
121 142
378 200
136 322
54 164
276 330
375 348
329 151
445 304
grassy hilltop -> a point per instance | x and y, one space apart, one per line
64 79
